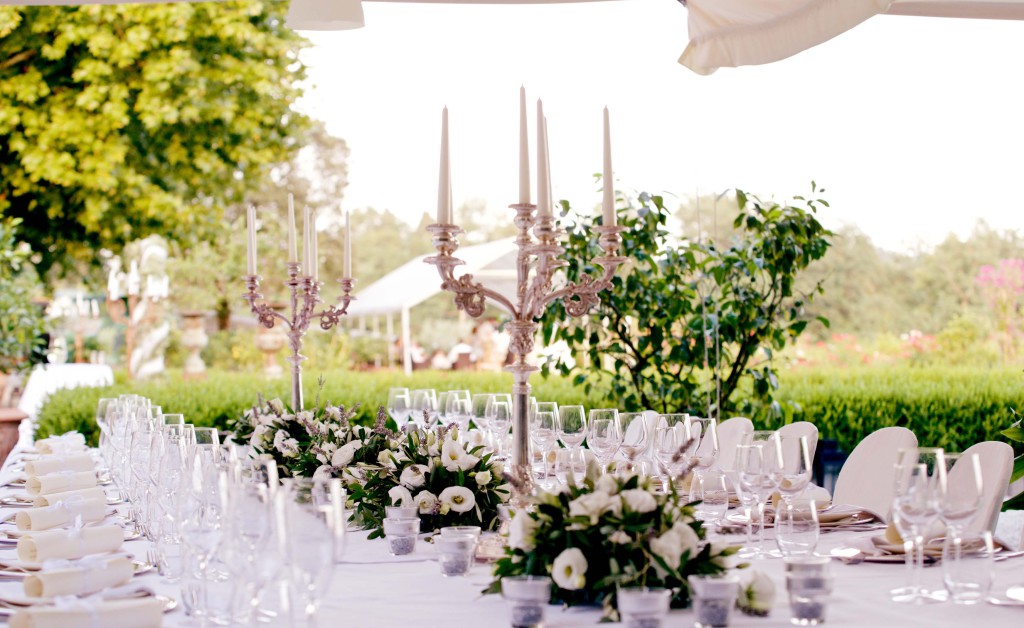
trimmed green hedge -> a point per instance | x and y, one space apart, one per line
947 407
223 395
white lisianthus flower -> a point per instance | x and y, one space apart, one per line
256 440
669 548
725 562
619 537
454 457
346 453
570 569
758 594
639 500
475 438
458 498
593 505
332 412
483 478
688 539
413 476
276 406
279 438
266 419
304 416
607 484
291 448
323 472
522 532
400 496
426 501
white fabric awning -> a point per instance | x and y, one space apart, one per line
732 33
414 282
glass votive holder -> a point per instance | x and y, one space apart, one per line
809 584
401 535
526 597
713 599
643 607
401 512
473 531
967 566
455 553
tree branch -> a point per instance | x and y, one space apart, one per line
24 55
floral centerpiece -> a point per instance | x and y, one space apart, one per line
606 533
432 470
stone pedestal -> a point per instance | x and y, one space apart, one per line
270 342
194 338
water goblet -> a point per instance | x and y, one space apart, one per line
572 429
604 435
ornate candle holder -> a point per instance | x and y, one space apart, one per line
305 295
533 295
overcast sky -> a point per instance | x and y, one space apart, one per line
913 125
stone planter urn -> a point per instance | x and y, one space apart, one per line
194 338
270 342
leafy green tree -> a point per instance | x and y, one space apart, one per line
21 320
121 121
691 321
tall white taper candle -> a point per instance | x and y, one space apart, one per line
314 253
543 185
608 185
347 271
444 180
251 248
293 248
306 267
547 167
524 152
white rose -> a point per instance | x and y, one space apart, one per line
639 500
384 459
345 454
256 440
400 496
291 448
758 593
329 448
454 457
426 501
669 548
457 498
570 569
688 539
323 472
619 537
279 438
522 532
483 478
413 476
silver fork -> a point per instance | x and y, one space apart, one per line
153 558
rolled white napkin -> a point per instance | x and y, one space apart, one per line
64 444
89 575
37 547
52 464
60 482
62 513
94 492
138 613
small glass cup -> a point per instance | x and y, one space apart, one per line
455 553
401 512
473 531
713 599
643 607
526 597
809 584
401 535
796 528
967 566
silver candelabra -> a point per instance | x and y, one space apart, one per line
305 295
533 295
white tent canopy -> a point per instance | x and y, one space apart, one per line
412 283
731 33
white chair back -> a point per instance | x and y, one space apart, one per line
730 434
868 477
801 428
996 460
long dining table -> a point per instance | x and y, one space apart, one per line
371 588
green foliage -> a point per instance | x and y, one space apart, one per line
21 321
223 397
124 120
691 320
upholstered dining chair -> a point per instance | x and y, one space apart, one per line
996 460
868 477
730 434
801 428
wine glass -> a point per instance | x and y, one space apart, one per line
544 432
399 405
458 412
572 429
310 544
920 491
704 432
425 407
671 446
604 434
634 436
499 420
795 473
757 470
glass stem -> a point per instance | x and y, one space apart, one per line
760 521
918 563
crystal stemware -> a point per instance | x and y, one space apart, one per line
399 405
604 434
920 491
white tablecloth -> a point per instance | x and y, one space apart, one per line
413 594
